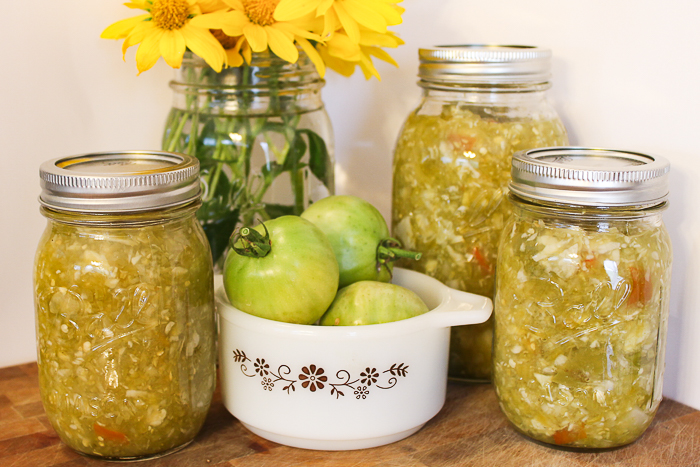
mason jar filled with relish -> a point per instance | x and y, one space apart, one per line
582 296
481 104
124 302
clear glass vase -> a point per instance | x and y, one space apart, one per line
262 136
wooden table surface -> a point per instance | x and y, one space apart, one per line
469 431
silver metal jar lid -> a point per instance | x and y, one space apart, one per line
488 64
119 181
590 177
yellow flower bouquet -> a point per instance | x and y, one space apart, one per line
247 93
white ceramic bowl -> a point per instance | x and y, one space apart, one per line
345 387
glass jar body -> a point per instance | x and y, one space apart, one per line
581 312
125 330
262 136
451 170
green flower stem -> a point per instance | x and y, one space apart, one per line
175 137
192 145
298 189
249 137
169 124
296 175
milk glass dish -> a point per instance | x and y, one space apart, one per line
342 387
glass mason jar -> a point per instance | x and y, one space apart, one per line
262 136
452 165
123 285
582 296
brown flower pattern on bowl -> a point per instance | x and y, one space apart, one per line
314 379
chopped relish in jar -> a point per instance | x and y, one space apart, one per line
450 176
125 329
577 357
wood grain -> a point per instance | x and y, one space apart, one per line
469 431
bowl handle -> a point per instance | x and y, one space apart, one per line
459 308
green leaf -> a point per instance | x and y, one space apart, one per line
295 154
270 172
208 132
222 187
319 159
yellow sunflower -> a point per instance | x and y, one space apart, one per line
167 31
342 55
349 15
254 21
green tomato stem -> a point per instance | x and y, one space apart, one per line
255 245
389 250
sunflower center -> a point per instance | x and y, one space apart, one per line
260 11
170 14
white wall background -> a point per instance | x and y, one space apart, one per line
626 75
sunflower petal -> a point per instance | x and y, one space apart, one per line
172 47
390 13
148 52
365 15
398 40
235 4
283 29
313 55
137 4
281 45
210 20
208 6
234 58
123 28
240 42
287 10
201 42
247 52
342 67
380 54
341 46
323 7
330 23
370 38
351 28
234 23
257 38
294 30
368 69
137 35
400 10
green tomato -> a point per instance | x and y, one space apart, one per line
283 270
359 236
370 302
